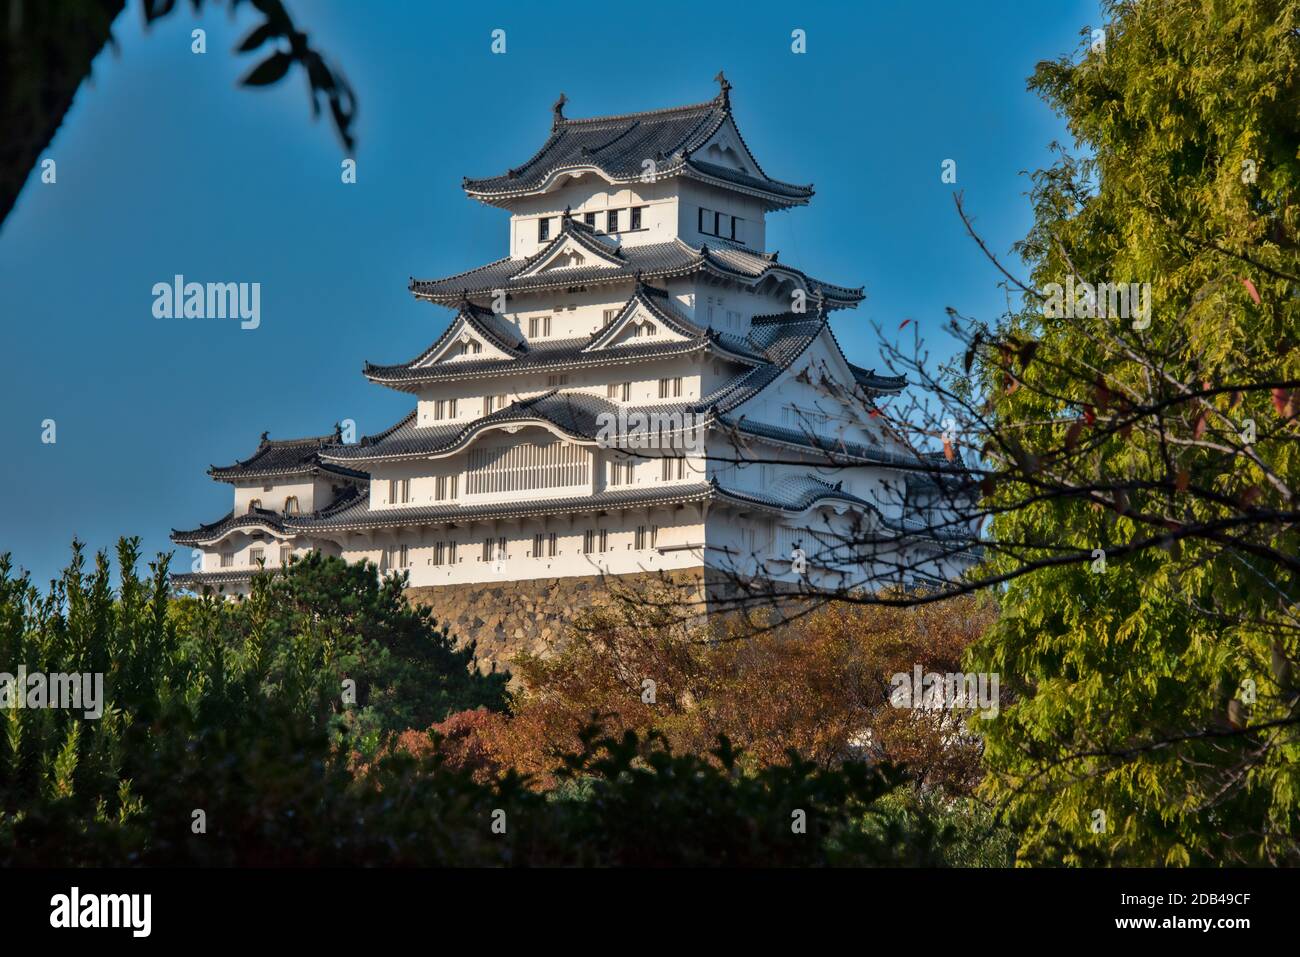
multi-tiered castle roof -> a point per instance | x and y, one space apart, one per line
636 288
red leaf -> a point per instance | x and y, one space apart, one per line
1250 288
1182 480
1282 401
1102 395
902 324
1073 432
1089 415
948 453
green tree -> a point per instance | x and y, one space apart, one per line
1141 470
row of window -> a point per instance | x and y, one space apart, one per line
527 467
445 410
613 222
290 505
671 469
722 225
257 556
544 545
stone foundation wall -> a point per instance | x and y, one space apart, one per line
512 616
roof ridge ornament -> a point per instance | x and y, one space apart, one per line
557 110
266 438
724 88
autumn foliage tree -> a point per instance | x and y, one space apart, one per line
819 685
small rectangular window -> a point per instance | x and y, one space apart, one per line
737 232
635 222
609 317
639 544
588 542
611 221
550 545
487 550
557 380
286 553
399 491
227 559
654 536
718 219
589 219
543 229
255 556
705 219
538 544
604 540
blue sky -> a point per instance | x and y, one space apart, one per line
165 167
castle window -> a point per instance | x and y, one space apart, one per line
471 347
444 553
539 327
706 221
444 409
256 556
487 550
619 390
519 468
588 541
670 388
286 554
399 491
543 229
611 221
445 487
253 505
718 220
737 232
673 468
227 560
620 473
609 317
291 505
639 544
550 545
557 380
589 219
636 217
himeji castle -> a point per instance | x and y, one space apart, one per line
639 387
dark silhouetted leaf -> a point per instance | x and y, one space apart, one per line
270 70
